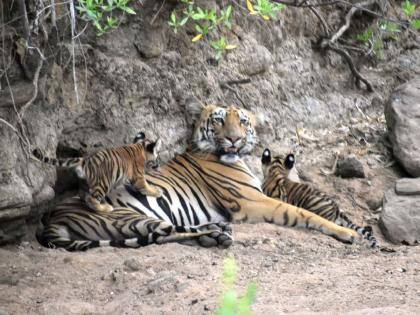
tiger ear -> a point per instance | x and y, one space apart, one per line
139 137
289 161
158 145
193 107
266 157
154 147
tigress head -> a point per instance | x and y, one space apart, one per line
278 165
227 132
151 150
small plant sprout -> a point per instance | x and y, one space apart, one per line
221 46
230 304
366 36
408 8
264 8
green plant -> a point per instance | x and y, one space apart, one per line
230 303
415 24
100 12
264 8
210 22
365 36
409 9
221 47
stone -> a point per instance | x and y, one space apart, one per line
132 264
408 186
400 218
402 113
350 167
253 57
374 203
12 230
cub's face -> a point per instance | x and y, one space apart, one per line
227 132
276 165
151 150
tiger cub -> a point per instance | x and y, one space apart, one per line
106 168
277 184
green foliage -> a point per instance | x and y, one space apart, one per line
365 36
221 47
209 22
267 9
100 12
408 8
230 304
415 24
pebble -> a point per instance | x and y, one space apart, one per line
132 264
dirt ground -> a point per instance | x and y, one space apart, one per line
296 271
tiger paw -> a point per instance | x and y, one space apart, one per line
102 208
152 191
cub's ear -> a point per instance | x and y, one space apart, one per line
193 108
266 157
139 137
158 145
154 147
289 161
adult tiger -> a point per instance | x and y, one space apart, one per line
207 184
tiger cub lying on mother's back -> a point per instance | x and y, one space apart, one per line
105 169
277 184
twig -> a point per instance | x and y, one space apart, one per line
322 20
73 27
24 15
234 82
35 84
157 13
53 16
353 69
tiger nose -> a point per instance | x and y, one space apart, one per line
233 140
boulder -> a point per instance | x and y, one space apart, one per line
402 113
400 217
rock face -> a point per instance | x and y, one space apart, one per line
400 217
402 114
139 76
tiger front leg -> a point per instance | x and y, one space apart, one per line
281 213
146 189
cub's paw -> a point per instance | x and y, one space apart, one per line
153 192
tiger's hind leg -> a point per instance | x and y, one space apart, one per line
220 234
160 232
93 197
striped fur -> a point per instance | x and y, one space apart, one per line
278 185
106 168
201 188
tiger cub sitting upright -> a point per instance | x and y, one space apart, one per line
277 184
106 168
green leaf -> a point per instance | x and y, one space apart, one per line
173 17
128 10
183 21
415 24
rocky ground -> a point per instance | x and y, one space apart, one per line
296 271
